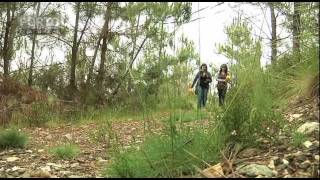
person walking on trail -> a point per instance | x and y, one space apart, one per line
203 79
223 79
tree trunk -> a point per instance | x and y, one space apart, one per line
74 52
296 30
34 38
93 61
130 83
5 51
273 33
105 33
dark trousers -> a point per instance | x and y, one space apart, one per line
202 96
222 94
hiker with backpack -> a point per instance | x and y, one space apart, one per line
203 79
222 86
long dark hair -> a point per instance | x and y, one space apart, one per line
204 64
223 66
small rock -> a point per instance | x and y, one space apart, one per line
305 165
296 115
12 159
309 127
248 153
15 168
22 170
16 173
287 176
74 165
102 161
68 136
316 157
2 169
40 150
307 144
213 171
275 173
315 143
65 173
302 175
254 170
55 166
25 175
29 151
285 172
289 148
285 162
282 137
301 158
41 174
271 165
75 176
46 168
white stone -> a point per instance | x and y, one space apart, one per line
271 165
285 162
307 144
15 168
55 166
65 173
308 127
101 161
75 176
40 150
296 115
68 136
46 168
316 157
74 165
12 159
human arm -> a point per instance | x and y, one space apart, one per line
195 80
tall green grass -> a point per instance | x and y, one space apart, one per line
293 81
174 154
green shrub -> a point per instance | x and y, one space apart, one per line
249 108
66 151
175 153
12 138
38 114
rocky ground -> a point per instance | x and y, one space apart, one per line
35 160
279 157
274 158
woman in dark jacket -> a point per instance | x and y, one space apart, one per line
203 79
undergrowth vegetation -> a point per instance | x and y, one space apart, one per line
12 138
